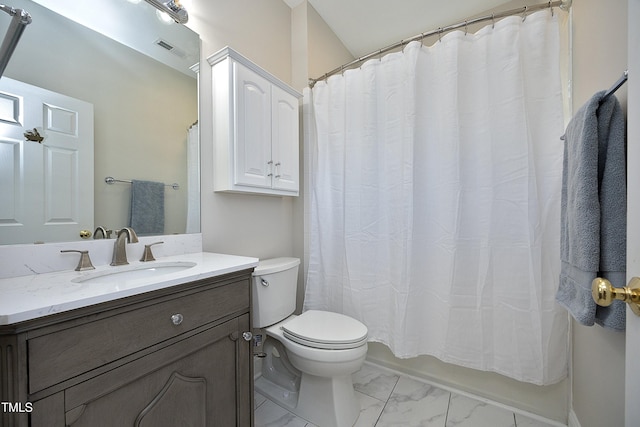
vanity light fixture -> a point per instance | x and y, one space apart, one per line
19 20
164 17
173 8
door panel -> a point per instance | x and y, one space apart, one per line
285 140
632 346
44 183
253 129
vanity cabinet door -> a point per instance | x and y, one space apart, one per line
285 140
253 128
203 380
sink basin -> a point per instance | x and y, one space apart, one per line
134 272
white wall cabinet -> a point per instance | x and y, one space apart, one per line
255 121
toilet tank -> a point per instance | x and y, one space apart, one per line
275 282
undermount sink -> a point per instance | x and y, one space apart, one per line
134 272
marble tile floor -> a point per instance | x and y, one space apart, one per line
391 399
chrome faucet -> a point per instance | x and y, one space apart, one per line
119 248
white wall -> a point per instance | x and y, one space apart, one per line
250 225
599 59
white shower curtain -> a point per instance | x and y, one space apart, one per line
434 192
193 179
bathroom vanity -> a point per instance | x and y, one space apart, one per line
152 351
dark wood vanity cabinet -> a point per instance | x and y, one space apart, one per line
171 357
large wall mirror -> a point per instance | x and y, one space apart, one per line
139 76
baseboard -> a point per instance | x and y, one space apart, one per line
573 419
453 389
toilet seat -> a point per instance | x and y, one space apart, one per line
325 330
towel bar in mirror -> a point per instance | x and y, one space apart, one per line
604 293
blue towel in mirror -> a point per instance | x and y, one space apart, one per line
147 207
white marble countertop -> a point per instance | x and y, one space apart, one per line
38 295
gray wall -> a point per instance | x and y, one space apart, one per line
599 58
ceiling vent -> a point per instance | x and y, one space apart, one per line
171 48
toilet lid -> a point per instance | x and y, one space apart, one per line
325 330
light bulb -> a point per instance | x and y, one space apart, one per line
164 17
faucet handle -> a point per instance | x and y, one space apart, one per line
85 261
147 254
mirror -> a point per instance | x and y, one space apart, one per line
144 104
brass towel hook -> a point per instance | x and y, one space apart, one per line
604 293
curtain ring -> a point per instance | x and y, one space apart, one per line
465 28
440 34
551 8
524 14
493 22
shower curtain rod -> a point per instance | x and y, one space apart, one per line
563 4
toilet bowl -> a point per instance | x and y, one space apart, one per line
309 357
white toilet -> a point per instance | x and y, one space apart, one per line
309 358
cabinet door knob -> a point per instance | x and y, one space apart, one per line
177 319
247 336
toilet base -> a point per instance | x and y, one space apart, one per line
326 402
314 384
283 397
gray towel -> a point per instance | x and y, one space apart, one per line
593 211
147 207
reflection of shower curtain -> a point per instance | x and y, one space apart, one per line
193 180
434 191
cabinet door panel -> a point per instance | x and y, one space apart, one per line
285 140
252 128
192 382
